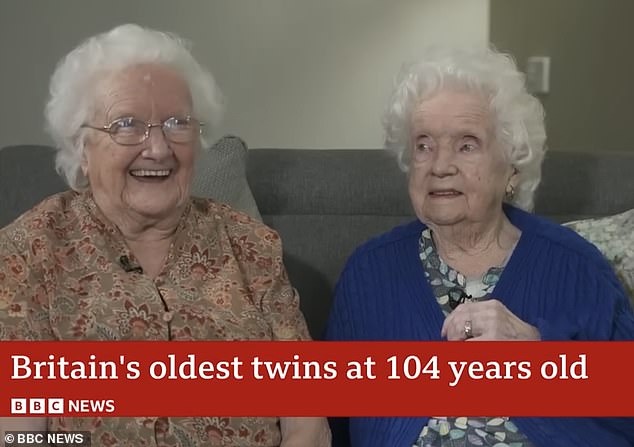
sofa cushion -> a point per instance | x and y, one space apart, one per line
220 174
585 185
27 176
614 236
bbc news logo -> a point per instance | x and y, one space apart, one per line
37 406
57 405
42 438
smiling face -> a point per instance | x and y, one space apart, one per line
150 180
458 172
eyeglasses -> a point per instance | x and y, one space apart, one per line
130 131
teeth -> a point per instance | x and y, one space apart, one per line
445 193
150 173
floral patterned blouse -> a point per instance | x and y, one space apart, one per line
450 287
63 277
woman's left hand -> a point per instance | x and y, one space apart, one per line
305 431
486 321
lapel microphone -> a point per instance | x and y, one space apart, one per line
124 262
457 296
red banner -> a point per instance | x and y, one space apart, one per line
316 378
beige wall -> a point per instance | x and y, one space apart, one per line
590 105
296 73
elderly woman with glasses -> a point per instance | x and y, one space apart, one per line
127 254
475 265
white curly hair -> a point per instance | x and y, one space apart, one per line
518 116
73 92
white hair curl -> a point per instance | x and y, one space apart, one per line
73 90
518 116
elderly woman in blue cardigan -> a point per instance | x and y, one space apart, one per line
476 265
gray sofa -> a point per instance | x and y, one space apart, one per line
326 202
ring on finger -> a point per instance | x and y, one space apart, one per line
468 329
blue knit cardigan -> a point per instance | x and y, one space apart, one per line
554 280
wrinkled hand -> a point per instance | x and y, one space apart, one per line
305 432
489 320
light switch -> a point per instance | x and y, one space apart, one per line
538 74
